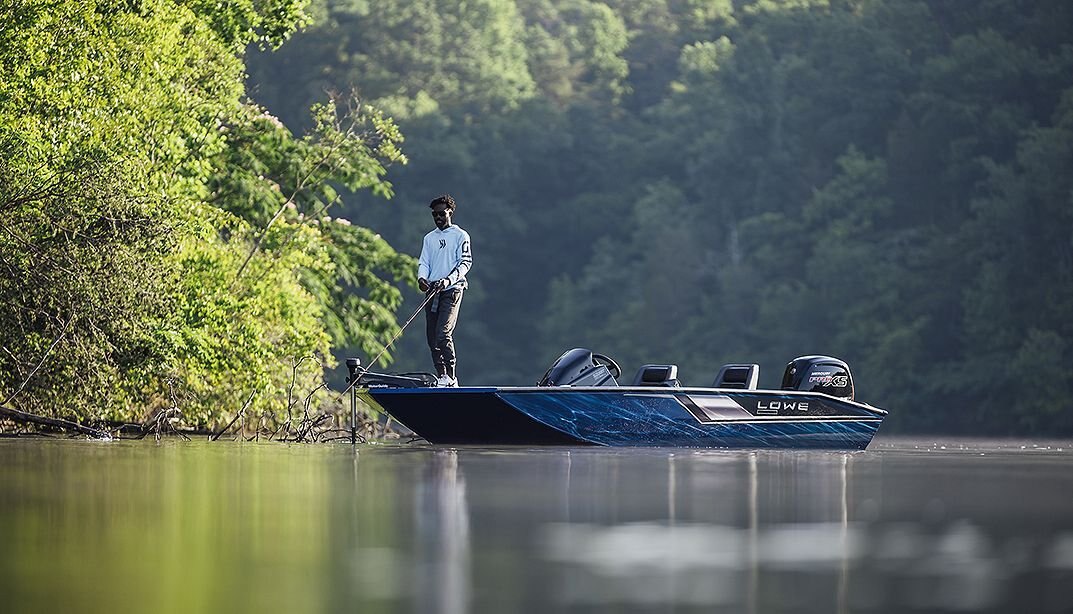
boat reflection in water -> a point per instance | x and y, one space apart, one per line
441 518
701 564
757 531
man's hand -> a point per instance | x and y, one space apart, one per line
440 284
423 284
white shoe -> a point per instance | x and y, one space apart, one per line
452 382
443 381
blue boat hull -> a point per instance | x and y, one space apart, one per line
625 416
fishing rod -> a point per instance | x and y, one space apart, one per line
398 334
433 289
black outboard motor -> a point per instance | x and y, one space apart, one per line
578 367
819 374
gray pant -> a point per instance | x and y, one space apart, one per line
441 315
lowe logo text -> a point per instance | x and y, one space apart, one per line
787 405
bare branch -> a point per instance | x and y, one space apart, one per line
37 251
27 379
314 216
14 359
24 417
241 412
299 186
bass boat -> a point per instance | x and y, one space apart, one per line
580 402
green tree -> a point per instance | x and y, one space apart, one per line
165 241
1019 288
406 56
103 110
575 50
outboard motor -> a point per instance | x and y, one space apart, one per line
580 367
819 374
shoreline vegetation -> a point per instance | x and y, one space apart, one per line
323 426
199 211
169 251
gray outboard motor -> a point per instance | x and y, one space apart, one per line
580 367
819 374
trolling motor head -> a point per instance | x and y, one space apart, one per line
353 365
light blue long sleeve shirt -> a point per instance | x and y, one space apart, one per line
446 254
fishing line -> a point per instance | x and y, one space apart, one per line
362 369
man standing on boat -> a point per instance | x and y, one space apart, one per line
445 260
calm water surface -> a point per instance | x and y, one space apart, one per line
196 527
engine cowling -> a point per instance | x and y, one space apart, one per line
577 367
824 374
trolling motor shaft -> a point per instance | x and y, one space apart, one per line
353 365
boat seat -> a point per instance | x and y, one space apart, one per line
657 375
737 376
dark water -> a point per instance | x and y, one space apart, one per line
194 527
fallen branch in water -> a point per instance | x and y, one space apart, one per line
28 418
326 423
163 418
285 428
307 429
294 379
344 435
241 412
161 421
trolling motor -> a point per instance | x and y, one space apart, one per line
353 365
361 377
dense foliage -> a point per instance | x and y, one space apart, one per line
708 181
164 242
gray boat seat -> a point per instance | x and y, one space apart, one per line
657 375
737 376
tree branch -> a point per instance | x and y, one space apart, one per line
299 186
241 412
27 379
21 416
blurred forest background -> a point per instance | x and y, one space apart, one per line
710 181
201 203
